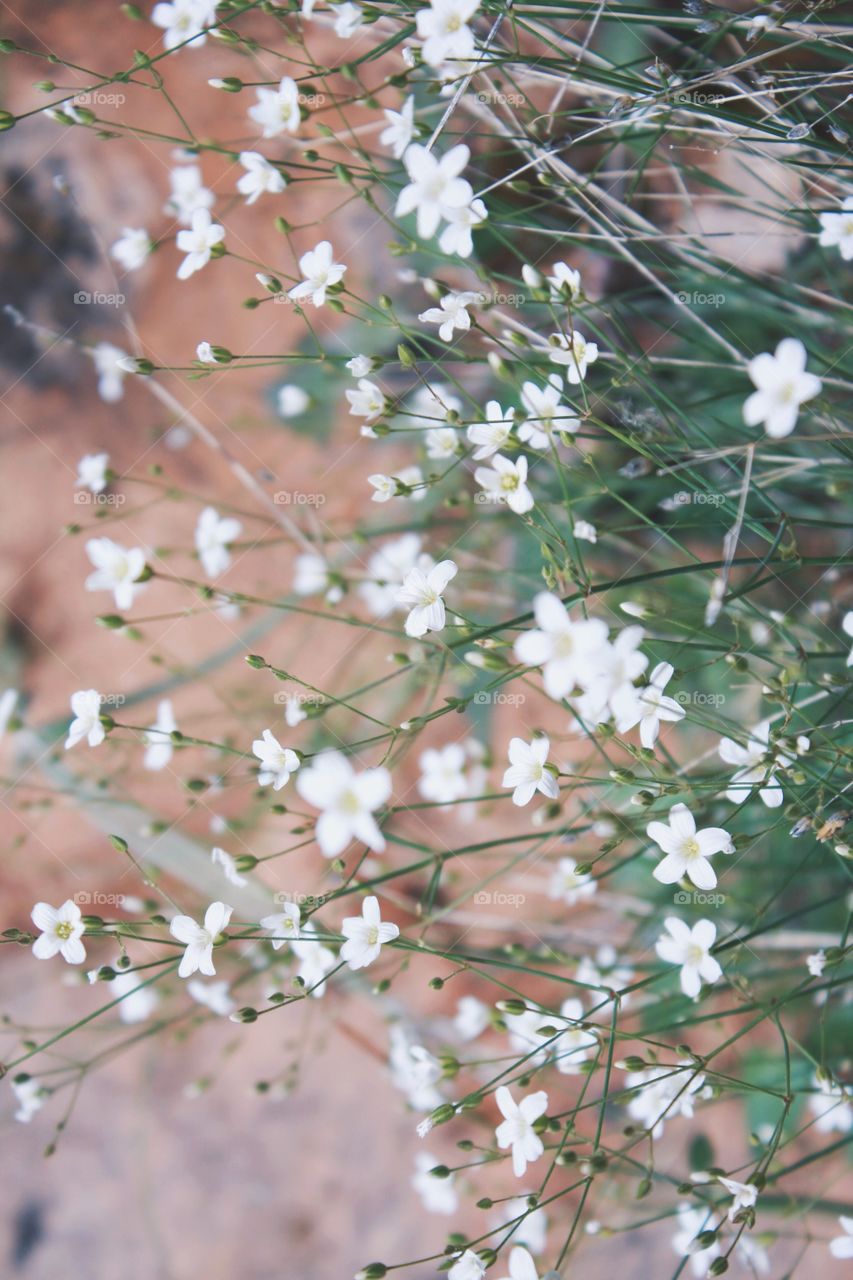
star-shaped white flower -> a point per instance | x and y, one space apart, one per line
277 762
86 705
260 177
199 939
568 650
491 436
347 801
423 592
283 925
690 949
320 272
451 314
575 352
197 242
506 481
756 764
435 187
687 850
366 935
131 250
277 110
782 386
400 128
61 931
117 569
564 282
745 1195
213 534
648 706
546 413
367 401
444 29
92 472
528 770
517 1131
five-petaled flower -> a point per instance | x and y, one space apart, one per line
506 481
198 242
690 949
366 935
782 385
687 850
277 762
423 591
320 272
517 1130
61 931
86 705
200 939
529 772
347 801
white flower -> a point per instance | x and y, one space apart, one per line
443 777
584 531
316 961
842 1246
184 21
506 481
92 472
313 575
159 747
441 442
545 413
137 1001
260 177
472 1018
387 486
745 1195
431 404
228 866
291 400
213 995
521 1265
456 237
348 19
576 1043
117 569
360 366
86 706
132 249
690 949
687 850
575 353
832 1107
200 938
647 707
197 243
517 1128
444 30
277 110
283 925
110 370
837 230
424 591
400 128
365 935
277 762
188 194
414 1070
529 772
213 533
387 569
367 402
293 712
319 273
662 1093
61 931
564 280
782 386
467 1267
567 650
756 763
816 963
490 436
435 188
451 314
567 885
438 1195
30 1096
533 1231
347 801
204 353
691 1223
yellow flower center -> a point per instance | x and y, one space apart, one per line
64 930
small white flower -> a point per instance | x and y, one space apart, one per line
584 531
347 801
837 230
516 1131
260 177
213 995
228 866
568 651
568 886
159 748
277 110
319 273
414 1070
435 187
816 963
86 705
444 29
349 18
360 366
546 413
831 1106
842 1246
277 762
92 472
443 779
687 850
456 237
564 281
365 935
529 772
756 763
438 1195
132 249
467 1267
472 1018
386 572
662 1093
533 1231
316 962
690 949
521 1265
490 436
506 481
184 22
745 1195
117 569
107 360
283 925
188 194
400 128
782 386
213 534
291 400
424 591
691 1223
137 1001
61 931
312 575
367 401
575 353
293 711
30 1095
204 353
197 243
451 314
647 707
199 939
